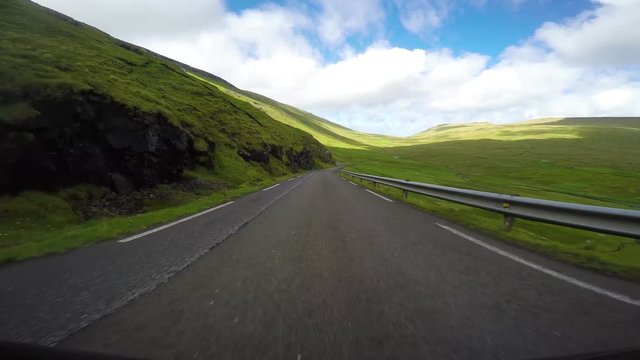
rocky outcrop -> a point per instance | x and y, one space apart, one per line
304 159
256 154
88 138
300 159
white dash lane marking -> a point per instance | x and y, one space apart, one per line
137 236
555 274
378 195
270 187
352 183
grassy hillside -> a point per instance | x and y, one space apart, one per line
583 160
593 164
328 133
99 137
567 160
45 56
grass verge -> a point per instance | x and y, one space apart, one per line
609 254
37 239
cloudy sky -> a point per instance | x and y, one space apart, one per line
399 66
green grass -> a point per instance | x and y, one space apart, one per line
48 58
606 253
583 164
580 163
35 224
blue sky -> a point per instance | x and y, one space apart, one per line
486 28
493 27
400 66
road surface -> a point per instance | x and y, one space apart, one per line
315 268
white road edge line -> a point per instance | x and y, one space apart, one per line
270 187
555 274
378 195
137 236
352 183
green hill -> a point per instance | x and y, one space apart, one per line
328 133
341 139
93 129
589 161
56 69
583 160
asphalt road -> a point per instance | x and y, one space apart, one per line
315 268
44 300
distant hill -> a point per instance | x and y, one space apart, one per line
531 129
337 136
328 133
600 121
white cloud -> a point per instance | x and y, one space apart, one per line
339 18
262 47
136 19
418 16
587 66
605 36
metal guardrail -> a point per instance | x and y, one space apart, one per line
607 220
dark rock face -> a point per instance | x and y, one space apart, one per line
112 204
300 160
90 139
295 160
259 154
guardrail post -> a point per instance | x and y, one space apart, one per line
405 194
374 183
508 222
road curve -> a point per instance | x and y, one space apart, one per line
330 271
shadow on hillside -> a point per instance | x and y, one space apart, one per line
596 164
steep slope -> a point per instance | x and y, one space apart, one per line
99 137
328 133
79 106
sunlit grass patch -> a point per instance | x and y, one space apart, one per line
597 166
